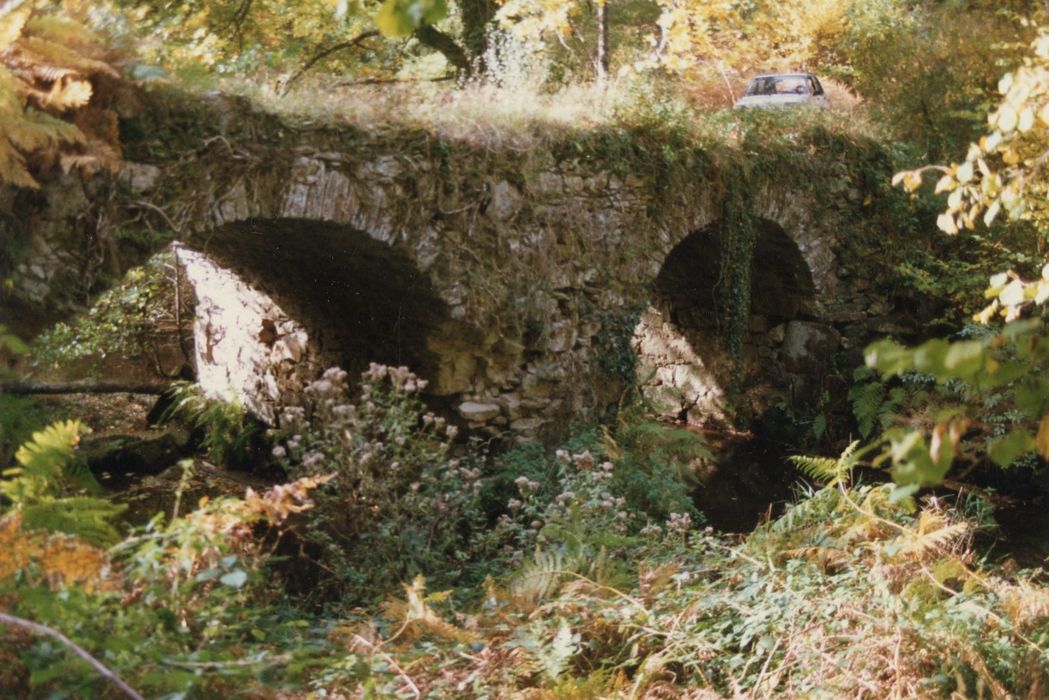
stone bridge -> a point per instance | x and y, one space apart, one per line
528 285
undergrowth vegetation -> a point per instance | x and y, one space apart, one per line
590 586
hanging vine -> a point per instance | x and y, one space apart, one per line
738 239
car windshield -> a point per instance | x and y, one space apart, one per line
779 85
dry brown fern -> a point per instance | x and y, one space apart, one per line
51 72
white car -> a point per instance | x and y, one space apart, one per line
783 90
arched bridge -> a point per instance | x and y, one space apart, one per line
526 286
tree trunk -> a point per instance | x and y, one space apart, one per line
476 15
602 61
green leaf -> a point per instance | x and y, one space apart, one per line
234 579
966 358
399 18
1005 450
888 357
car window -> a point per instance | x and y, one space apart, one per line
817 89
762 86
779 85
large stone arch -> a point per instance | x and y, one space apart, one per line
684 363
279 300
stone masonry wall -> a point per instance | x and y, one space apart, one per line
528 254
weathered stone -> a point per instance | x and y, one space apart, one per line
527 425
147 453
290 347
139 177
478 412
232 362
547 267
808 346
562 336
506 201
511 405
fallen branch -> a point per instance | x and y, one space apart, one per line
38 628
85 386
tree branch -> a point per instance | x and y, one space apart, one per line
323 54
38 628
88 386
437 40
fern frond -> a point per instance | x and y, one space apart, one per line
43 462
867 400
64 31
38 130
931 535
539 578
1026 604
13 19
814 509
826 471
554 655
12 166
43 52
68 93
820 469
417 618
82 516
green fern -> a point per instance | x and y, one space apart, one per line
815 509
826 471
868 404
229 431
88 518
553 656
54 489
541 577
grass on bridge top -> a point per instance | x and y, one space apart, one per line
525 115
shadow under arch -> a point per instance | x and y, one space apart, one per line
681 339
357 299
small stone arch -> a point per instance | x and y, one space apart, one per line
684 364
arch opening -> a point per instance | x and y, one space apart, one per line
681 339
281 299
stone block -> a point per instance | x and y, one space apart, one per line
476 412
527 425
139 177
808 346
505 203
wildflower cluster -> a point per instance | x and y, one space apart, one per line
399 504
583 508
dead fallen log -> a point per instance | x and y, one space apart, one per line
85 386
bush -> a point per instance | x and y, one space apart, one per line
399 504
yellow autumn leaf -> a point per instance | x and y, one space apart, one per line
11 25
1042 439
1006 119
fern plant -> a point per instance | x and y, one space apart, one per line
827 471
50 66
553 655
229 432
55 491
